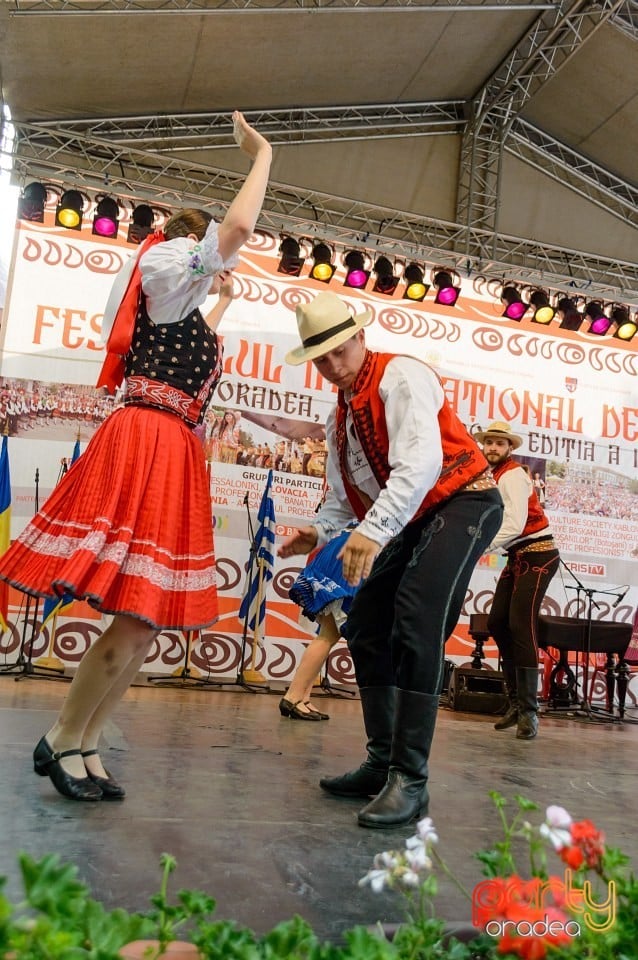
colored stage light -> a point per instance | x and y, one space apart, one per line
141 223
515 308
291 262
323 268
625 325
32 202
106 218
69 210
570 318
386 281
356 273
599 322
415 288
543 310
446 294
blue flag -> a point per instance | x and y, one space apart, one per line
265 556
55 605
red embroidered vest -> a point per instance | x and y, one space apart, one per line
462 458
536 519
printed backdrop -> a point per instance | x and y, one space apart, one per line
571 396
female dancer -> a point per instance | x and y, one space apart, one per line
129 527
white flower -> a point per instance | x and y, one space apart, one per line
556 827
376 878
417 858
408 878
388 859
426 832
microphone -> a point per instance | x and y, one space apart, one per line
37 475
621 596
246 499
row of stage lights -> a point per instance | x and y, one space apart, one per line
358 265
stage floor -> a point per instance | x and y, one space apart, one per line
229 787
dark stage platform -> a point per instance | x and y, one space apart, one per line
229 787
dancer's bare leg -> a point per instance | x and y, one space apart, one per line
313 659
104 673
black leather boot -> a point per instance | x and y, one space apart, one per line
378 705
405 797
527 684
510 717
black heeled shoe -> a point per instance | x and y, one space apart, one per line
46 763
313 709
111 789
289 709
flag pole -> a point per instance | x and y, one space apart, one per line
252 675
50 662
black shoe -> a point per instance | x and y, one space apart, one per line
289 709
365 781
111 789
402 800
527 727
322 716
509 719
46 763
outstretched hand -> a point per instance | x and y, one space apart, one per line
357 556
246 137
301 541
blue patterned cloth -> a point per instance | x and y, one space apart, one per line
321 584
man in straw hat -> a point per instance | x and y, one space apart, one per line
532 561
400 462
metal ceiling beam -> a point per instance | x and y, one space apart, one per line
93 165
626 18
552 40
193 131
573 170
200 7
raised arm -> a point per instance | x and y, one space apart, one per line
241 217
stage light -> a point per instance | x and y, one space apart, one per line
515 308
106 217
356 273
415 288
141 223
291 262
69 210
625 326
446 294
31 203
599 322
386 281
570 318
323 267
543 310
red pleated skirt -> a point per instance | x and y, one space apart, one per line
128 528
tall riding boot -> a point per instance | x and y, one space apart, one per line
378 705
510 717
405 796
527 683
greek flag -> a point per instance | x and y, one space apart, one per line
55 605
265 557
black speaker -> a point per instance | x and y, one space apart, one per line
477 691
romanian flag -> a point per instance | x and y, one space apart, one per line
5 526
57 604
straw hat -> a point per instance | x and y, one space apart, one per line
323 324
500 430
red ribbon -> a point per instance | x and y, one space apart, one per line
121 335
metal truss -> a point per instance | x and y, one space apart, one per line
193 131
573 170
53 155
199 7
626 18
552 40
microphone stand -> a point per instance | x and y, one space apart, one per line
585 710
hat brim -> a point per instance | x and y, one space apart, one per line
513 438
302 354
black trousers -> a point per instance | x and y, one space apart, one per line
404 612
513 618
